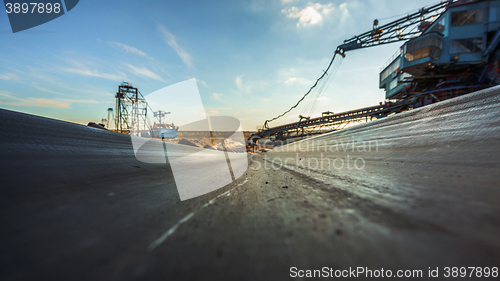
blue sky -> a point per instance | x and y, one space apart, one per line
252 59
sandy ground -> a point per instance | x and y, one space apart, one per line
201 140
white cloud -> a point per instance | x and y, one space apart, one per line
9 99
343 8
81 65
200 81
213 112
238 82
290 80
217 96
9 76
298 80
266 100
310 15
143 71
46 90
95 73
79 101
172 41
127 48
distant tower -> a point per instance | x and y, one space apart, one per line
131 110
159 114
110 115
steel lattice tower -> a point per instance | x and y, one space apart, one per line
131 110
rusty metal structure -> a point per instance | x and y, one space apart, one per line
131 110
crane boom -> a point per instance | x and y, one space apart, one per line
399 30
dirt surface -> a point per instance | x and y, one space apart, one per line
77 205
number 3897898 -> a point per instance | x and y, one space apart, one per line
40 8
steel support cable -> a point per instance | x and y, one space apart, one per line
310 103
328 81
316 92
325 85
305 95
313 100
